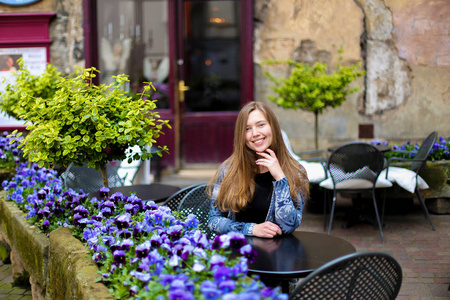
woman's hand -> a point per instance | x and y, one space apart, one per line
270 161
266 230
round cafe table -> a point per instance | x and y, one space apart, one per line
155 191
295 255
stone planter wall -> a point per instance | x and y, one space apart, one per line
58 266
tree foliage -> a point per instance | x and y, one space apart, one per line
19 98
88 123
311 88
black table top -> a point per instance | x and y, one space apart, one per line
295 255
156 191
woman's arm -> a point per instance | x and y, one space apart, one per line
221 222
285 215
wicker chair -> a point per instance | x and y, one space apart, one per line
366 275
355 168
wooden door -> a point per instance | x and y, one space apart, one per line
197 53
214 76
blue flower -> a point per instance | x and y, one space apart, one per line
133 290
45 224
221 273
123 221
144 277
143 249
104 192
249 253
81 210
119 256
175 231
227 286
180 294
127 244
237 240
217 260
220 242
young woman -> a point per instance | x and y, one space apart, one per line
260 189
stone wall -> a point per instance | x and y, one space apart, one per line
58 266
403 45
66 30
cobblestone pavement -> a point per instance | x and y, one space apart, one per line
423 254
7 289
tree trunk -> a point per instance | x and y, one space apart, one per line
316 129
104 175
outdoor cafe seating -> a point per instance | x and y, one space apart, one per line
407 176
365 275
355 168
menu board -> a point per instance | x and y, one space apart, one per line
35 59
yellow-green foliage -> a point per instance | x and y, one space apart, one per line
312 88
88 123
27 91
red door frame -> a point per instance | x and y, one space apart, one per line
172 138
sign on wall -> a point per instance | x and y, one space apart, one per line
35 59
18 2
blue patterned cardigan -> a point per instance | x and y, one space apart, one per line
282 211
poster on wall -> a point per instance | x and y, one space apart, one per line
35 59
18 2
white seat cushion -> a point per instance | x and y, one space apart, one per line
314 170
356 183
405 178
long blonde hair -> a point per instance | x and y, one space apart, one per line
237 185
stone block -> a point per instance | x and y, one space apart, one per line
30 245
72 273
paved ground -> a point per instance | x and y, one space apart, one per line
423 254
7 289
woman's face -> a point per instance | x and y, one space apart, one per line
258 134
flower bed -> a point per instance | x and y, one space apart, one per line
144 251
436 174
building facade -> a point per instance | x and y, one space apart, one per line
205 58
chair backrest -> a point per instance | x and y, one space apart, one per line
173 202
197 202
90 180
355 161
423 152
366 275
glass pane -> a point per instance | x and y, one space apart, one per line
212 56
133 39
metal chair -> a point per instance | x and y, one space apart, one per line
198 203
416 165
366 275
173 202
89 179
355 168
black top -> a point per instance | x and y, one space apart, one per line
256 211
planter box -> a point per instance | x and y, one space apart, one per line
437 197
58 266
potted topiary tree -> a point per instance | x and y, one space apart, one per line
311 88
27 90
88 123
